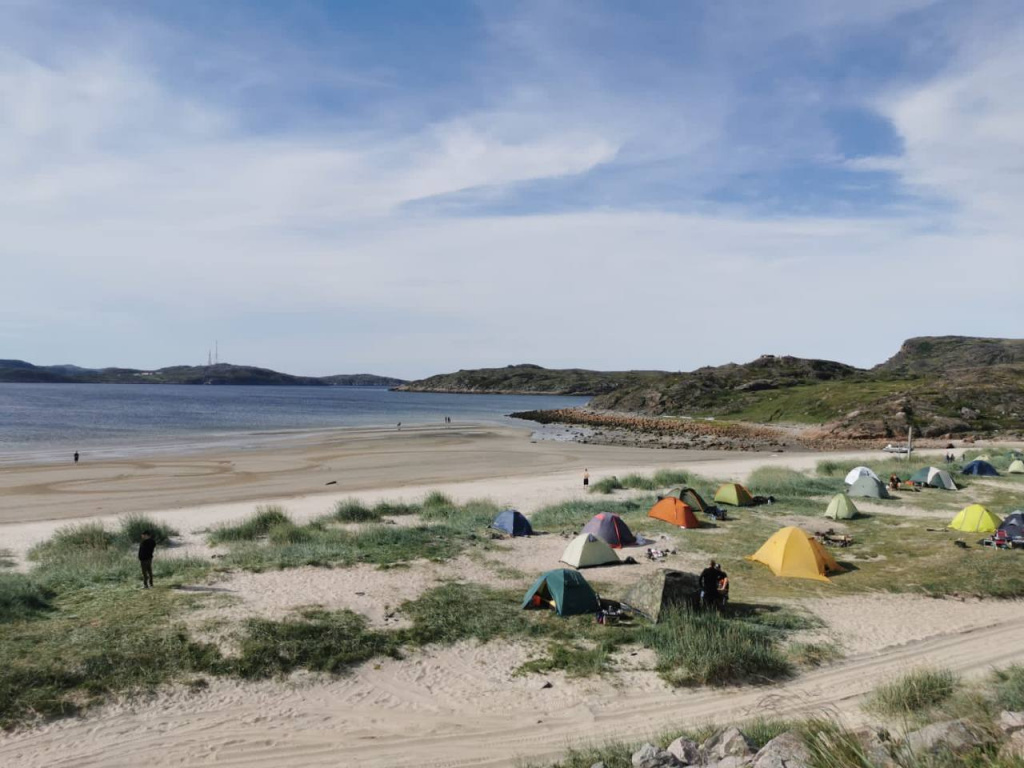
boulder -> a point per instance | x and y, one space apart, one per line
786 750
1011 722
650 756
948 736
873 747
731 762
1013 749
685 751
729 742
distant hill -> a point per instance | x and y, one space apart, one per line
938 385
529 379
220 374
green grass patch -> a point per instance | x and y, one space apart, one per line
782 482
665 478
1008 687
6 559
256 526
913 693
607 485
352 511
575 514
812 655
21 597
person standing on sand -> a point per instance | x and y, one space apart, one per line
146 547
76 457
710 578
586 478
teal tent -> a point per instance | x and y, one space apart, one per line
567 590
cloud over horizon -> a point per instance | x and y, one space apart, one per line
328 188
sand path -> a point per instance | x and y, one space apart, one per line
460 707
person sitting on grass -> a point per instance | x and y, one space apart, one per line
894 482
146 548
710 578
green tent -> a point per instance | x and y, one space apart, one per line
662 589
567 590
868 487
687 496
841 508
933 477
734 494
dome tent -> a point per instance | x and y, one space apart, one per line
611 529
587 551
856 472
661 589
734 494
688 496
672 510
934 477
975 519
1016 467
794 554
1013 524
513 522
564 590
869 488
981 468
841 508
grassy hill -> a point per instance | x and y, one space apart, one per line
530 380
223 373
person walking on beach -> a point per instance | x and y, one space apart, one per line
586 478
76 457
146 547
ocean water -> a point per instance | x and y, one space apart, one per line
49 422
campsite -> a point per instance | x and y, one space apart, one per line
590 593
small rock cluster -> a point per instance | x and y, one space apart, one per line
731 748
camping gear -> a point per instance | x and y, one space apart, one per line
672 510
1014 525
999 540
662 589
857 472
688 496
513 522
586 551
934 477
609 528
975 519
793 553
566 591
1016 467
841 508
979 467
734 494
868 487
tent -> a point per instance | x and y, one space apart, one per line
856 472
793 553
564 590
1013 524
687 496
1016 467
841 508
672 510
935 477
609 528
586 551
979 467
975 519
734 494
662 589
868 487
513 522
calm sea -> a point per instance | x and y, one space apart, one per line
48 422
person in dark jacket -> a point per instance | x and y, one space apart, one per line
146 547
710 578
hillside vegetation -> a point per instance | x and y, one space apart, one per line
531 380
222 373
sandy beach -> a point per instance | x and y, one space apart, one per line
447 706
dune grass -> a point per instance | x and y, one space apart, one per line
256 526
1008 687
913 693
21 597
782 482
352 511
660 480
6 559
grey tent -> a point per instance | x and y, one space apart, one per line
687 496
661 589
868 487
1013 524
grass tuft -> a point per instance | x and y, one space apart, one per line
21 597
913 693
256 526
1008 685
607 485
352 511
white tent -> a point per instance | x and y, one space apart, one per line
587 550
856 472
939 478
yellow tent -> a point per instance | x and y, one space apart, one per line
975 519
1016 468
793 553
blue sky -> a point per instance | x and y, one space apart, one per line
409 188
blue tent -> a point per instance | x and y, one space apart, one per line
513 522
979 467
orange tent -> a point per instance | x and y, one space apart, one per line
672 510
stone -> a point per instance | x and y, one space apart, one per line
727 743
732 762
947 736
874 747
1011 722
786 750
649 756
1013 749
685 751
